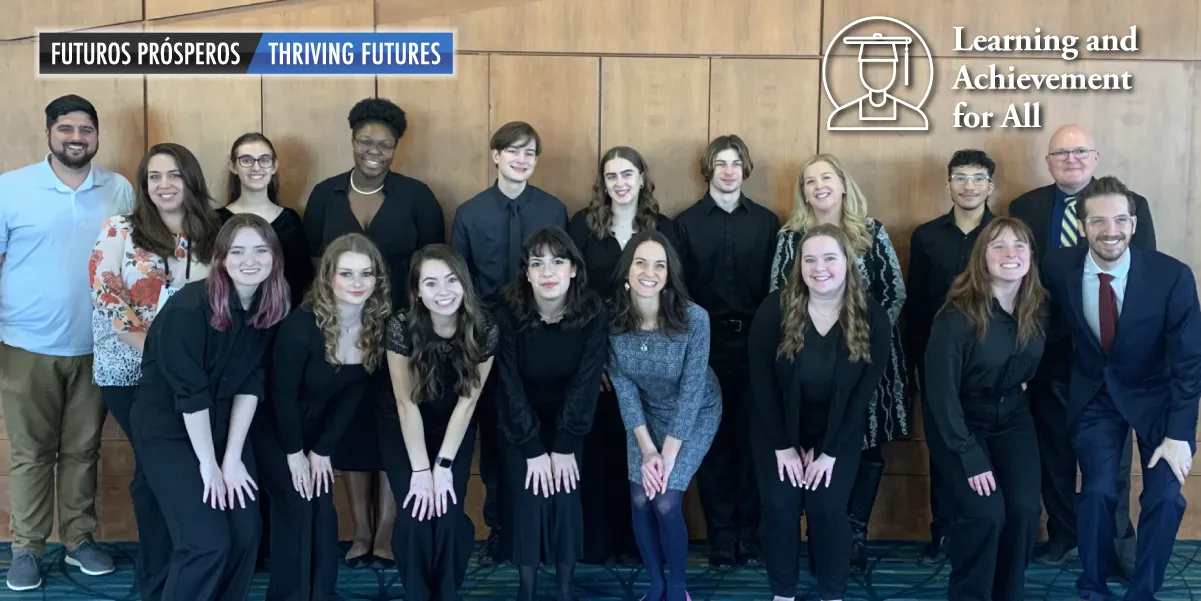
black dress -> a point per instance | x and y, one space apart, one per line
549 376
431 555
298 267
188 366
312 403
408 219
609 527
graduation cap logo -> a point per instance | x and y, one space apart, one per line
885 74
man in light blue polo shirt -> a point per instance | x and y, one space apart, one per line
50 215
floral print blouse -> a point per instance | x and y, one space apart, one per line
129 284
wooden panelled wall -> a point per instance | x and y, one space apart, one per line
664 76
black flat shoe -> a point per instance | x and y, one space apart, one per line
359 561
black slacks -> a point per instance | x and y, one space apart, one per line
303 534
491 464
942 499
726 479
1048 405
431 555
828 524
992 537
213 551
154 542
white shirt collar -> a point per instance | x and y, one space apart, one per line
1119 273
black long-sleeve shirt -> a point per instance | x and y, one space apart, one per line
976 384
312 400
938 252
727 256
409 219
480 232
298 266
188 366
550 375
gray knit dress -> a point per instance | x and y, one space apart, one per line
666 384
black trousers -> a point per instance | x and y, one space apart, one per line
213 551
431 555
1048 405
942 499
726 479
154 542
303 534
491 464
992 538
828 524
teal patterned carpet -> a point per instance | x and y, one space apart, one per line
893 574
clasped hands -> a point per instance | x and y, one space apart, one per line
802 470
656 472
226 481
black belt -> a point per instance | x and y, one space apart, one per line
731 324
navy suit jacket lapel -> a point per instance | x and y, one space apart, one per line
1075 284
1136 281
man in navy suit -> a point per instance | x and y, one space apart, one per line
1135 326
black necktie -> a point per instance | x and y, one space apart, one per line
514 239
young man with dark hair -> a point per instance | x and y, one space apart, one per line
1134 324
727 242
939 251
489 230
50 214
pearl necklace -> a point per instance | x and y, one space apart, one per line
356 188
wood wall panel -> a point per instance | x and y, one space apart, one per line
632 27
289 15
446 144
559 96
158 9
183 111
660 107
118 101
772 105
1162 34
24 18
903 174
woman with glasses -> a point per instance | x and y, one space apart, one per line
400 215
253 187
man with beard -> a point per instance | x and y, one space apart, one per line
1050 213
1135 327
489 230
939 251
727 242
50 214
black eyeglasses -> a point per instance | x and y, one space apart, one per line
265 161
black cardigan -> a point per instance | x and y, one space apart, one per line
776 390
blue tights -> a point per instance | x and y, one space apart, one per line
662 537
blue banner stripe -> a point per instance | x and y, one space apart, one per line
382 53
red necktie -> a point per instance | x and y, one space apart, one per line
1107 311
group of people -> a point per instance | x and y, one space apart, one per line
249 352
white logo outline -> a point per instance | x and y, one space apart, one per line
838 108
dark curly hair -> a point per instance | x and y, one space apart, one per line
378 110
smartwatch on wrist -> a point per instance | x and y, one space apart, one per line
441 461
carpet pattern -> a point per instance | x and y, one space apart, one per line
893 574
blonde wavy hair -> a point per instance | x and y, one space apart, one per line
377 309
854 207
794 302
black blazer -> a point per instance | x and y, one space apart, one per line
1034 209
1153 371
776 390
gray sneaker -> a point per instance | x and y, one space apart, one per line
90 559
25 571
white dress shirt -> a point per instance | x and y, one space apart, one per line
1090 292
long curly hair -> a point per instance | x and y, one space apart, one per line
377 308
971 292
794 301
465 349
581 304
673 298
854 207
599 215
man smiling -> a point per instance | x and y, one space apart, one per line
50 214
